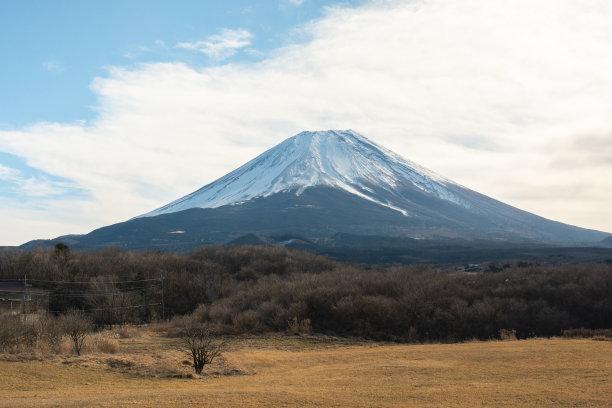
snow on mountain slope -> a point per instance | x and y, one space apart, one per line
342 159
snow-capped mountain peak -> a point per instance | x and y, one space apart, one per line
335 189
341 159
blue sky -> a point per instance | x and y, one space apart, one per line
110 109
53 49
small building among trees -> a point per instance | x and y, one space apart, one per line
21 297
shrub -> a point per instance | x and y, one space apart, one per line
30 332
506 334
77 326
298 327
10 332
49 334
199 340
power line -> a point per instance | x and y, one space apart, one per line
61 289
80 282
109 308
86 294
92 281
104 290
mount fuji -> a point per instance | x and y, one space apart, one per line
316 185
344 160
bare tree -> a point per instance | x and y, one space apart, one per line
77 326
108 303
201 343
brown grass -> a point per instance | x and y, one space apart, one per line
129 332
102 344
312 371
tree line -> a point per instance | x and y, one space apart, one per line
242 289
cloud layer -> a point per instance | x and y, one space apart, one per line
512 99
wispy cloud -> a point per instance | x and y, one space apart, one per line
296 2
496 95
24 187
53 66
139 51
220 46
8 173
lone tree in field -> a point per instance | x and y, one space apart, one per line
77 326
201 343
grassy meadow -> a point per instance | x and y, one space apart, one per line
148 369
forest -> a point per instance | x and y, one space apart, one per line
256 289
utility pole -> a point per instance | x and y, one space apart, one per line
25 293
161 278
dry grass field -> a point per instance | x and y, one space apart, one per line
291 371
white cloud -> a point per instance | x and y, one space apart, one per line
8 173
512 99
34 186
296 2
53 66
220 46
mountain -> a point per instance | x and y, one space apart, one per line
318 184
343 160
344 170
